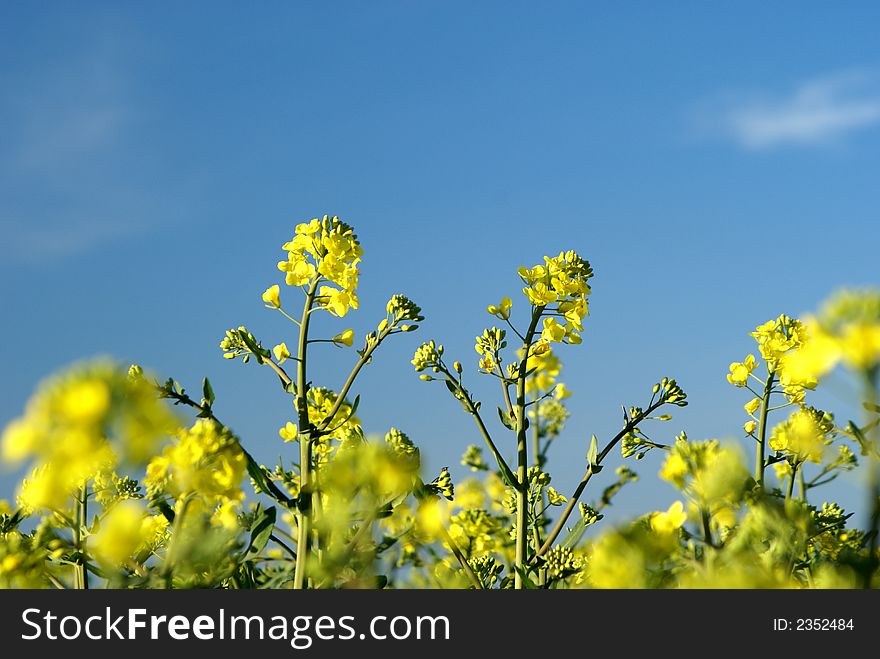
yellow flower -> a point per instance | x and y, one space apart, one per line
85 402
502 310
750 427
344 338
561 392
20 440
226 516
338 302
740 371
540 294
119 534
818 355
310 228
429 518
674 470
670 521
487 363
553 331
327 247
540 347
299 270
752 406
272 296
154 529
802 435
554 498
288 432
860 345
43 490
206 460
616 563
575 311
282 354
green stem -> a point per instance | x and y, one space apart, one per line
85 520
304 503
167 569
540 514
536 440
78 568
873 440
352 376
502 463
522 455
762 431
707 527
579 490
790 491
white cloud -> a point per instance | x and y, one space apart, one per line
66 123
54 238
820 111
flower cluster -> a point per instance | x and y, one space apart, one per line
125 531
403 446
561 280
79 426
846 330
428 356
341 509
488 346
205 461
329 248
804 435
475 531
708 472
345 427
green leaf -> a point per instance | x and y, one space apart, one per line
575 534
506 419
387 542
247 340
527 582
258 353
165 509
261 530
265 484
860 438
593 452
385 511
207 392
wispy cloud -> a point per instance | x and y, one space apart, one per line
819 111
66 122
59 238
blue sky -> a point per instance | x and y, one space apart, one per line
716 164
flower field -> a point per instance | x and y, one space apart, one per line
133 481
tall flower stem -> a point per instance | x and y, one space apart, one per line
304 505
80 578
794 473
873 440
522 455
579 490
760 450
